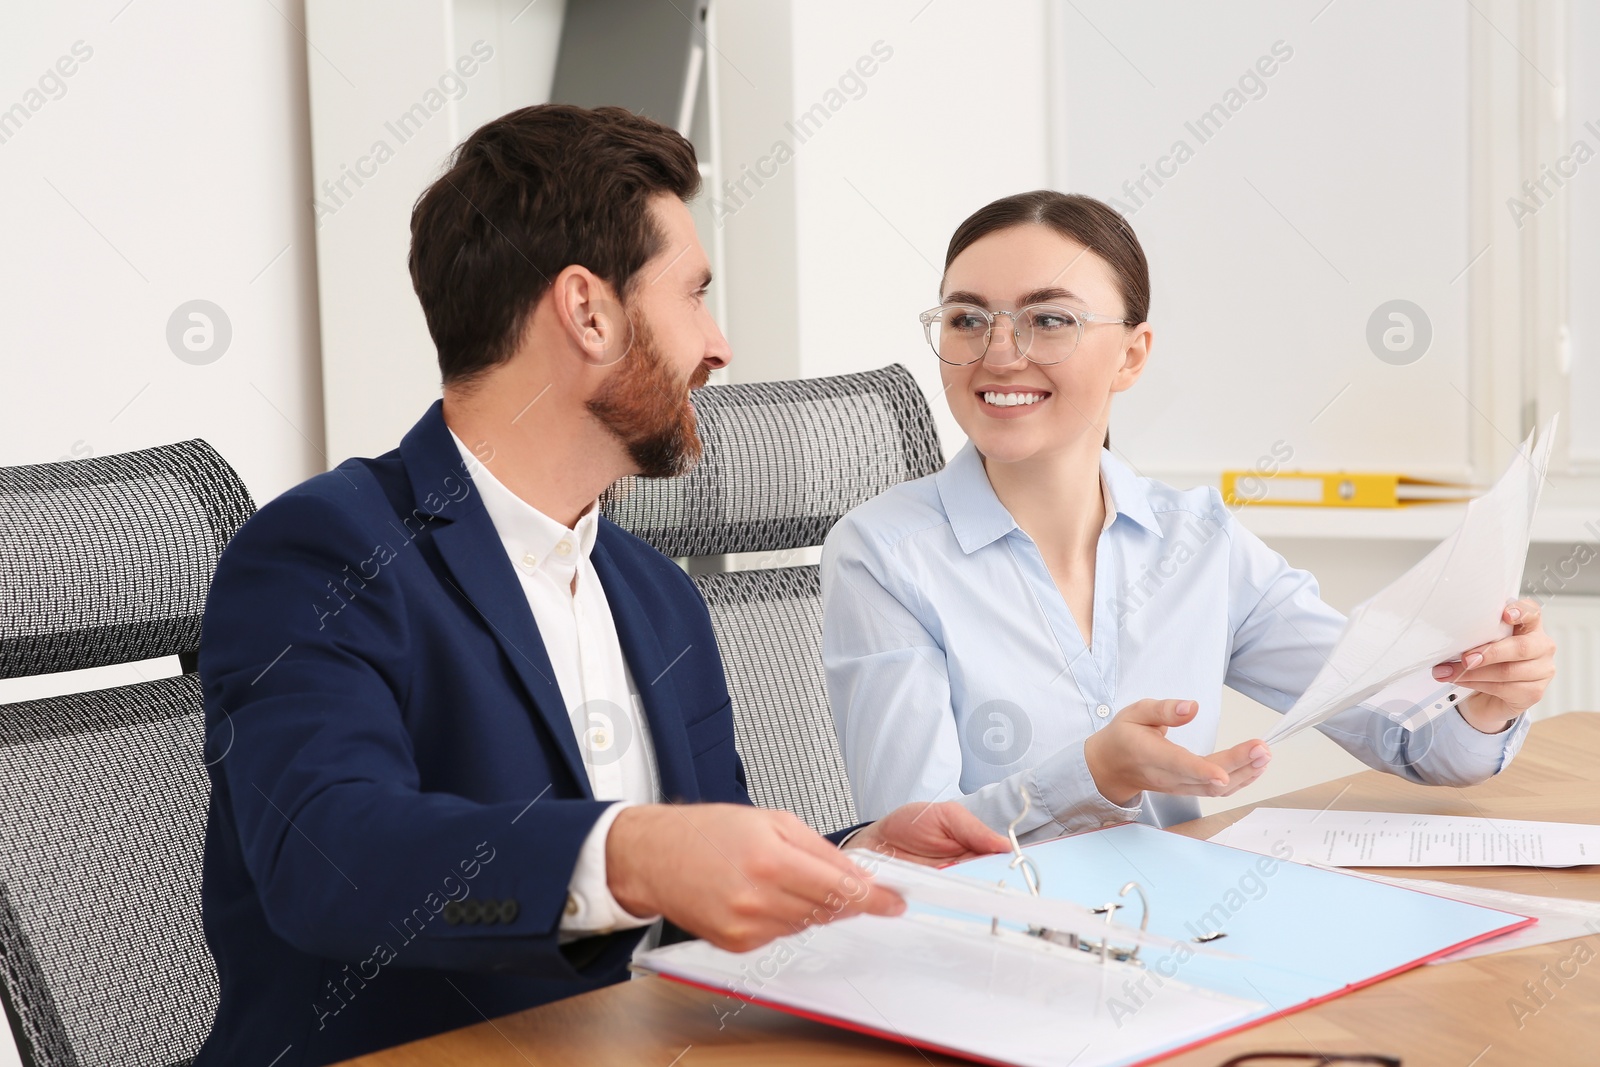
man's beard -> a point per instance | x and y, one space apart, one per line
648 409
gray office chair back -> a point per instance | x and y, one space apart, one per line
783 462
103 794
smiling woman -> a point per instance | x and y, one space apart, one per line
975 633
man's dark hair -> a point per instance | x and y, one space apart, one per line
526 196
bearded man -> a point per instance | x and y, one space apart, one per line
479 747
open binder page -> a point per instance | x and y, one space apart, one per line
1450 601
1004 999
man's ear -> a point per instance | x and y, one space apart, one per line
591 316
1135 354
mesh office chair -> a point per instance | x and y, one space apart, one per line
783 462
103 794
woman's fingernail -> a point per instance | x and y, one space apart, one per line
1261 753
1443 671
1513 613
1474 659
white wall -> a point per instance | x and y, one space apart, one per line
1335 183
1580 161
173 166
861 215
373 61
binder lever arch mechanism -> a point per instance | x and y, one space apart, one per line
1020 861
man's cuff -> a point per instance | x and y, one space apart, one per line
845 840
591 909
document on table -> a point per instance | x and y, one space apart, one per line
1396 839
1446 604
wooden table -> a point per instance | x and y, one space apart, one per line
1452 1015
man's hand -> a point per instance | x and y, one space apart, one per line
734 875
1510 675
930 834
1132 754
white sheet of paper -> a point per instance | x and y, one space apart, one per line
1449 602
1398 839
1008 999
1560 918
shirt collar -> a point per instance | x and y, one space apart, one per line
532 539
978 518
1129 491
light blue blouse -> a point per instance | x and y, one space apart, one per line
956 671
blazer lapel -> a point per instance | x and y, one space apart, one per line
472 551
650 664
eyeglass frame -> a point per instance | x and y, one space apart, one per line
1083 318
1322 1059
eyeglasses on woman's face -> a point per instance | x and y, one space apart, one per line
1045 334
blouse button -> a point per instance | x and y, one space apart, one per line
1103 710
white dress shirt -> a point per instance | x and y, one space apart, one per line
955 669
574 619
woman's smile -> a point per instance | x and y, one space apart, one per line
1010 401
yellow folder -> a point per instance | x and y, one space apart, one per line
1337 489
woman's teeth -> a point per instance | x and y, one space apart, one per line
1011 400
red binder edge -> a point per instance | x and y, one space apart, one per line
901 1039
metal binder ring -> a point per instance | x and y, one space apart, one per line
1144 913
1019 859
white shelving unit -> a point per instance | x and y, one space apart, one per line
1422 522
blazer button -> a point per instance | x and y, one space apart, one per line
491 912
508 910
471 911
452 913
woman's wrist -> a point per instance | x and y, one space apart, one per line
1486 714
1102 769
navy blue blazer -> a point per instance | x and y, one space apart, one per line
397 797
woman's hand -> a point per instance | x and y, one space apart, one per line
930 834
1510 675
1132 754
